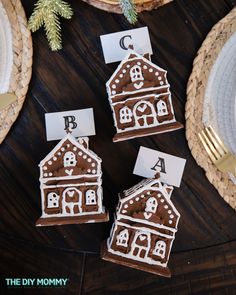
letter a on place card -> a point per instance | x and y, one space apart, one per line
149 162
115 46
80 122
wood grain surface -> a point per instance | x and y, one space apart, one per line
203 259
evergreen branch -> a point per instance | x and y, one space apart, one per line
46 13
63 9
37 18
53 28
129 10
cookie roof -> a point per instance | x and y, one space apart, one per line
133 205
84 161
120 81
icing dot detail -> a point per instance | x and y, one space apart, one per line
169 211
50 174
166 207
93 171
80 153
68 145
59 153
171 216
131 201
156 74
170 221
89 170
75 149
93 164
45 168
161 82
124 211
139 63
151 70
45 174
126 206
89 160
50 163
124 71
117 80
54 158
145 67
113 92
84 156
128 66
159 78
113 86
142 196
148 193
137 199
63 149
121 75
162 200
159 195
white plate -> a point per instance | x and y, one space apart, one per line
6 52
220 95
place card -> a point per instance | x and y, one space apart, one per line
79 122
115 45
150 161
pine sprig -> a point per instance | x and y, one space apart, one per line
46 13
129 10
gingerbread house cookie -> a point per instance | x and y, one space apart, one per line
70 182
144 228
140 98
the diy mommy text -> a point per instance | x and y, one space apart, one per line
36 282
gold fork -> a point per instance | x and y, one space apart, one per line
217 151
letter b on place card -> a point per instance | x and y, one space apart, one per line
149 162
79 122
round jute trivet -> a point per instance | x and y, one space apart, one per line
22 63
113 5
197 83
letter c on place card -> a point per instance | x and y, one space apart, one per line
149 162
79 122
115 45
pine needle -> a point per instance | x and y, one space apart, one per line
129 10
46 13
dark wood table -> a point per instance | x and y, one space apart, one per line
203 259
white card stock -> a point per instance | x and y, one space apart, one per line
79 122
115 45
150 161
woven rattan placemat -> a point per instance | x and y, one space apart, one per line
197 83
113 5
22 63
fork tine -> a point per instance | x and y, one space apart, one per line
209 152
211 145
212 137
218 139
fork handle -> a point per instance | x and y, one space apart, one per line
227 164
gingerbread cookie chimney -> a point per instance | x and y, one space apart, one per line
140 98
71 184
144 228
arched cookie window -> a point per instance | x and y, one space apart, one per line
162 108
125 115
90 197
52 200
122 238
151 205
69 159
160 249
136 73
